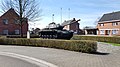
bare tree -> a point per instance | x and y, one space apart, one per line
96 22
28 9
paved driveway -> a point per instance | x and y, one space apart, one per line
64 58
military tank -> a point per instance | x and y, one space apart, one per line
55 31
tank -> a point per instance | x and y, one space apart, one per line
55 31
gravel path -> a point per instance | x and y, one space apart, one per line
107 48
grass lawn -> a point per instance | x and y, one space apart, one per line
114 44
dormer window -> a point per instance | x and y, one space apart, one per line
5 21
102 24
114 23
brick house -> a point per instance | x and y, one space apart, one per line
9 24
72 25
109 24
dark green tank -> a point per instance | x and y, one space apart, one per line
55 31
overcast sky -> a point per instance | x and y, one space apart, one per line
86 10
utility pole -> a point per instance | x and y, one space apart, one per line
68 13
61 15
52 17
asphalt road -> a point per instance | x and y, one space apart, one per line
9 58
61 58
7 61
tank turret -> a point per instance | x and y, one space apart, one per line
55 31
53 26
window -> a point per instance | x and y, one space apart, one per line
114 31
5 21
16 21
102 32
5 32
115 24
17 32
101 24
118 23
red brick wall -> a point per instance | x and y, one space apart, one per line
109 26
74 26
11 26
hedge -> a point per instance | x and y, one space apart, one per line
25 36
98 38
72 45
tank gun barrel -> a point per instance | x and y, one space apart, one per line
78 20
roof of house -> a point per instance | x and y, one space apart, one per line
110 16
89 28
11 10
69 22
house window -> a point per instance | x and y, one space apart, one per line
114 31
5 21
16 21
102 32
101 24
17 32
118 23
114 23
5 32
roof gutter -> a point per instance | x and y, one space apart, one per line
109 21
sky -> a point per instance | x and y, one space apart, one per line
87 10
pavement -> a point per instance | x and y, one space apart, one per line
7 61
107 56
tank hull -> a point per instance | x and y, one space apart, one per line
55 31
56 34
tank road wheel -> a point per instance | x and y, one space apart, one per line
50 36
56 36
44 35
53 36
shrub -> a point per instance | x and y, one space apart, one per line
98 38
25 36
2 36
73 45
